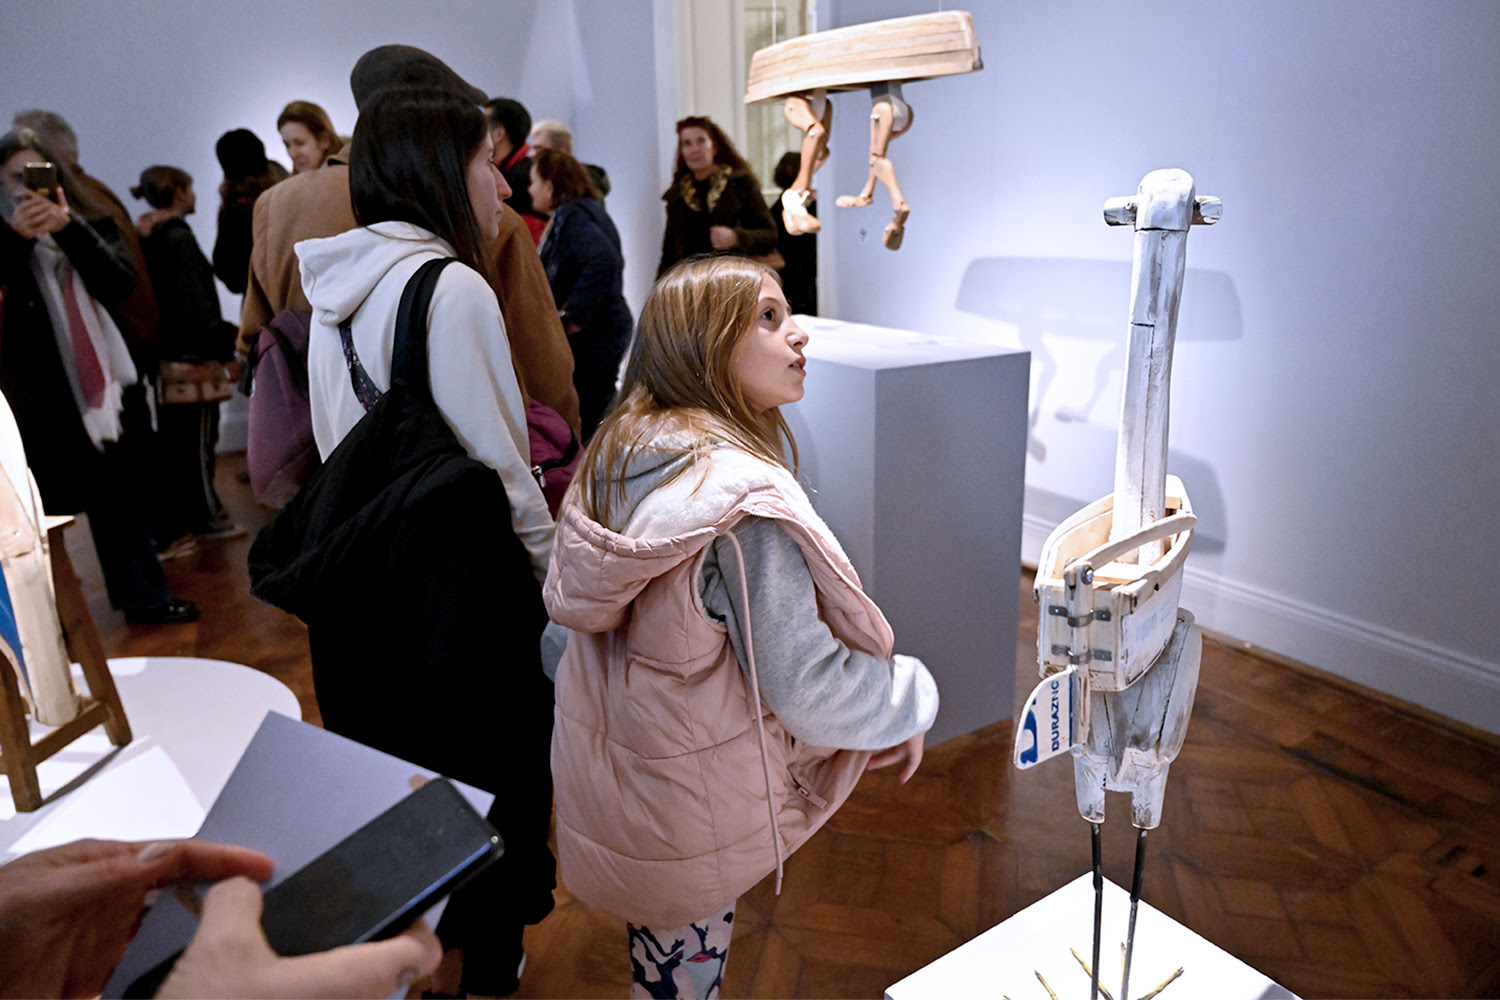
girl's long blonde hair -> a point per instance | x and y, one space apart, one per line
680 374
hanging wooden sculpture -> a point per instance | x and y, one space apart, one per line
1118 657
879 57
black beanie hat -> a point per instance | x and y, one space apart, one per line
241 154
406 66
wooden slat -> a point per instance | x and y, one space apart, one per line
900 49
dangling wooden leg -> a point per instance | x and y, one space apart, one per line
1098 910
802 110
885 170
882 117
1135 902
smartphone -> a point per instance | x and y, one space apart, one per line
41 178
374 883
380 878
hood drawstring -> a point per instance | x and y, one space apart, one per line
760 725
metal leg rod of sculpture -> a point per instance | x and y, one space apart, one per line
890 118
1119 657
812 114
1098 853
1135 904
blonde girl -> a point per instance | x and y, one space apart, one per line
725 680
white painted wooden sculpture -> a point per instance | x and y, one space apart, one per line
1119 658
41 661
878 56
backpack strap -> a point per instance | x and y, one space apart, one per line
409 357
296 361
359 379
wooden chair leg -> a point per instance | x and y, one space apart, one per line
15 743
101 706
82 635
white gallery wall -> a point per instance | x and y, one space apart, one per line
1334 408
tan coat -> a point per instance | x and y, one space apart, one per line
664 758
137 312
316 204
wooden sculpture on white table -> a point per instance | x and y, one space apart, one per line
1118 657
878 56
44 624
37 652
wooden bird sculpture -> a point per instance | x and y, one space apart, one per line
1118 657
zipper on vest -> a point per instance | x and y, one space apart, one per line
807 793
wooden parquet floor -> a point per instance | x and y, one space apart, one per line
1342 846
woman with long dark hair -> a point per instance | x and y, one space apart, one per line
438 662
585 267
714 204
68 376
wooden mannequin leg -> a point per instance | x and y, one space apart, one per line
799 111
885 170
882 117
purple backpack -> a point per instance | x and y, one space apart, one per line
554 451
280 451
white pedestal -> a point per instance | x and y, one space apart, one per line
915 448
192 718
1006 959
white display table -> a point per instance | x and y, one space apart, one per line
192 718
1006 959
915 449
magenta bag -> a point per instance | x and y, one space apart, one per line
280 451
554 451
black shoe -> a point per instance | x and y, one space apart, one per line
173 612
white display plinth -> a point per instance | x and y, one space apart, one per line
192 718
1006 959
915 449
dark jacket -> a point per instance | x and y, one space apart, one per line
63 459
732 200
585 268
135 312
234 238
192 327
517 171
799 275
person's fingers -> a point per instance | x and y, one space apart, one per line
228 956
913 760
374 970
231 912
80 852
881 758
203 861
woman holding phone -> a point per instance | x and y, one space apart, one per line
67 374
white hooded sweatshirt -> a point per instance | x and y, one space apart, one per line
362 273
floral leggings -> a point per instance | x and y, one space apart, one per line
687 962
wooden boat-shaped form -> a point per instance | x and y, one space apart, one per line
851 58
1134 606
